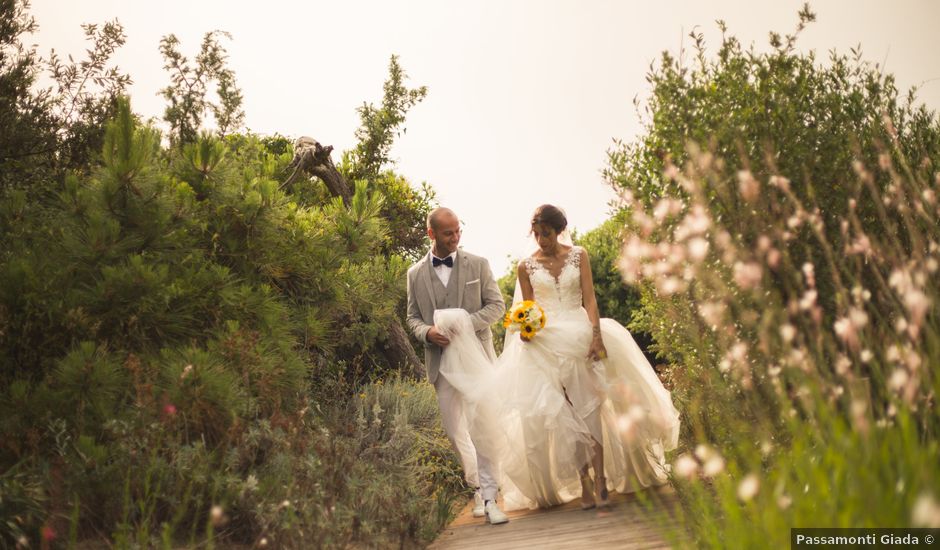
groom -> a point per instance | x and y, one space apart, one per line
448 278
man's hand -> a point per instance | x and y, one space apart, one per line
435 337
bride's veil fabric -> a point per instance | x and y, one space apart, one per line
565 238
509 341
467 368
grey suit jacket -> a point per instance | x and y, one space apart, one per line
477 292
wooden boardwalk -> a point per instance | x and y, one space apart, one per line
628 524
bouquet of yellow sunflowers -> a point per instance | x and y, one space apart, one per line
528 317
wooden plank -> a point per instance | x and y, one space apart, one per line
626 524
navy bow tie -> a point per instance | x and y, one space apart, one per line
448 261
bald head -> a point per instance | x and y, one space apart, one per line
438 215
444 230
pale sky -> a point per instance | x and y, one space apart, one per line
524 97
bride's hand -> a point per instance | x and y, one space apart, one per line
597 351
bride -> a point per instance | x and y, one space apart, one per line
579 396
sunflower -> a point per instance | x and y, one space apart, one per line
528 317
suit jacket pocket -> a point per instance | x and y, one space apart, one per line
472 296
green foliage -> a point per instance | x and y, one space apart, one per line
90 384
26 117
405 208
380 125
835 477
780 113
398 433
189 88
782 225
181 341
22 500
50 130
177 306
86 94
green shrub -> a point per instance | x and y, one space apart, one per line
785 268
159 342
181 338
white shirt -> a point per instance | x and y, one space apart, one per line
443 272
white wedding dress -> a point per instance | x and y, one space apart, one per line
536 410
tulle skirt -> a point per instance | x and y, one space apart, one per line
539 409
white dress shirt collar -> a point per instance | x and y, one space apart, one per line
442 271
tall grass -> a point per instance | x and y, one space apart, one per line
808 391
374 471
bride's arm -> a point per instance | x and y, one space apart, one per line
524 283
589 299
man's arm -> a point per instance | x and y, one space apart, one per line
493 305
415 322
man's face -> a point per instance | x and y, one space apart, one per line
445 234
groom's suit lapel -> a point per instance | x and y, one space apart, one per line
426 275
462 260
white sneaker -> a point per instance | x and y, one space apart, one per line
478 511
493 514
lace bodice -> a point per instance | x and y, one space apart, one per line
557 294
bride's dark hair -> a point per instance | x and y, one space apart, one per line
551 216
